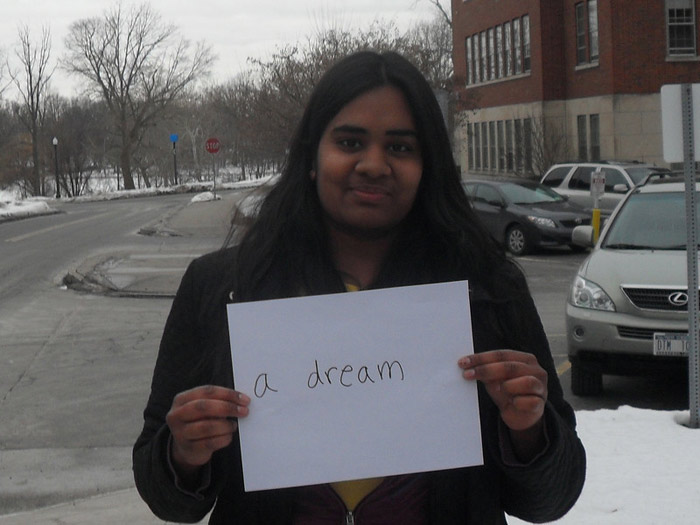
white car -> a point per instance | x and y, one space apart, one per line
573 180
627 308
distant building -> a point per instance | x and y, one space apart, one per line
541 81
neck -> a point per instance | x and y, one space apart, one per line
359 259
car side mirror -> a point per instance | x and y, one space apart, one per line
620 188
582 236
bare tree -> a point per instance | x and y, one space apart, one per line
444 15
32 85
137 65
547 142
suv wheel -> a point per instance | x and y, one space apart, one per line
516 241
585 381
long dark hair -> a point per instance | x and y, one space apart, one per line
285 251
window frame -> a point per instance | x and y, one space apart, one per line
690 22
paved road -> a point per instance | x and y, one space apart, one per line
75 367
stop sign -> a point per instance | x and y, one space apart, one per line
212 145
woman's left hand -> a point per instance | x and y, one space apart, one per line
516 383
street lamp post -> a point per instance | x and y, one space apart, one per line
55 159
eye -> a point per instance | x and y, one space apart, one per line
401 148
350 143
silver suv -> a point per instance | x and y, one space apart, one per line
573 179
627 308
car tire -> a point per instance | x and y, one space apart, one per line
517 242
585 381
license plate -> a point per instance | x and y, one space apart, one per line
670 344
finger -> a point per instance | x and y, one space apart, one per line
524 386
496 356
206 429
205 409
502 371
211 392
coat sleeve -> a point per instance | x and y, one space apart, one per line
179 366
545 489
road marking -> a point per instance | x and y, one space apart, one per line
52 228
563 368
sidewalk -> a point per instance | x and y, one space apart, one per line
149 270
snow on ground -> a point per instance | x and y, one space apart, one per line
643 465
643 469
11 207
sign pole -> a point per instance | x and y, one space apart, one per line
174 138
212 145
597 190
692 254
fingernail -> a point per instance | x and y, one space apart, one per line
464 362
470 374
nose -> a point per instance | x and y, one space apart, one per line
374 162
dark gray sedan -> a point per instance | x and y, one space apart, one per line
523 214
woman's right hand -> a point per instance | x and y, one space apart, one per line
203 420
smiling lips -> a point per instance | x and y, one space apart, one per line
370 193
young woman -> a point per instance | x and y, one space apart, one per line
370 197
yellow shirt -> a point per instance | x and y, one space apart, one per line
352 492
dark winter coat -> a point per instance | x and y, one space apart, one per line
195 351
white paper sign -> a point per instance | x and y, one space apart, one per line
355 385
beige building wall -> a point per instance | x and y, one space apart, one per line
630 125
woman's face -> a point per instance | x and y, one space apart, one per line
369 164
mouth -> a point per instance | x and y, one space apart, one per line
370 193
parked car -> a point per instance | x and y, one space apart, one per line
573 180
524 214
627 309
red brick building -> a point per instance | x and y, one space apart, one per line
541 81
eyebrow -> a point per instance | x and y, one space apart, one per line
348 128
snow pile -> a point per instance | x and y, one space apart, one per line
11 208
643 469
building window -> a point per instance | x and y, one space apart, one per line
518 145
517 46
587 32
509 145
492 145
594 131
527 139
508 39
484 61
582 132
581 54
470 146
526 43
476 58
593 29
484 146
680 19
501 146
477 147
492 54
499 51
468 53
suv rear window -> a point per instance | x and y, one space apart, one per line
555 177
581 179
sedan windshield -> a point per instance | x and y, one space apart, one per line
649 221
530 194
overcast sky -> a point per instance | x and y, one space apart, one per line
235 29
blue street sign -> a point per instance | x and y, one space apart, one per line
174 137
